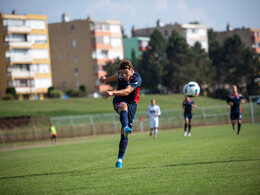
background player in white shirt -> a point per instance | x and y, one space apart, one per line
153 112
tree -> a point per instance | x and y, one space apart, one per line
134 60
153 61
111 67
177 70
204 72
11 90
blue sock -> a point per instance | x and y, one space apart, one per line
124 118
122 146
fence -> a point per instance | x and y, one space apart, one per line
84 125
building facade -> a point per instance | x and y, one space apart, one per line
24 55
249 36
191 32
138 44
80 49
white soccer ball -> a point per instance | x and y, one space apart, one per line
191 89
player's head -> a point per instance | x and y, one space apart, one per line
51 124
187 98
126 69
234 88
153 102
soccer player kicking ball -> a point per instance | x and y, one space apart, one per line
153 112
234 101
187 107
125 101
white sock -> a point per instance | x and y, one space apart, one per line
119 160
155 132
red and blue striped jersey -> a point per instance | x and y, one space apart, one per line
135 82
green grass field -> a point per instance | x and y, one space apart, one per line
81 106
214 160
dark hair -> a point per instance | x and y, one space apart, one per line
126 64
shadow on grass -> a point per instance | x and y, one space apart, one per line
212 162
48 174
202 163
93 173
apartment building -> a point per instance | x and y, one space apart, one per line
249 36
24 55
138 44
80 49
191 32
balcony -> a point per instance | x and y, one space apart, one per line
25 89
23 44
17 29
21 74
20 59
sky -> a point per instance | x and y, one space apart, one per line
144 13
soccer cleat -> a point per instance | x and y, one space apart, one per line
151 134
118 164
127 131
189 134
185 133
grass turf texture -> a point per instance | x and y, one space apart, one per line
213 161
81 106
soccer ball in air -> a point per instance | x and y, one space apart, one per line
191 89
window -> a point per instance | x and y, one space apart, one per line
72 29
77 84
61 56
40 53
115 28
36 24
13 22
17 53
106 40
43 83
75 58
39 38
74 43
64 84
15 38
115 54
100 54
76 71
116 42
40 68
142 43
97 82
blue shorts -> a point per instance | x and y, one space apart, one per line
117 101
189 116
53 136
236 116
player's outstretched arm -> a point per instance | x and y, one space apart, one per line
104 79
122 92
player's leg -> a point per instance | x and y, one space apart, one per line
233 120
185 125
239 123
190 119
156 126
151 125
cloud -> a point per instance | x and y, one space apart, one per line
194 14
107 7
160 5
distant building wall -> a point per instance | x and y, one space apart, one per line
138 44
71 55
249 36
